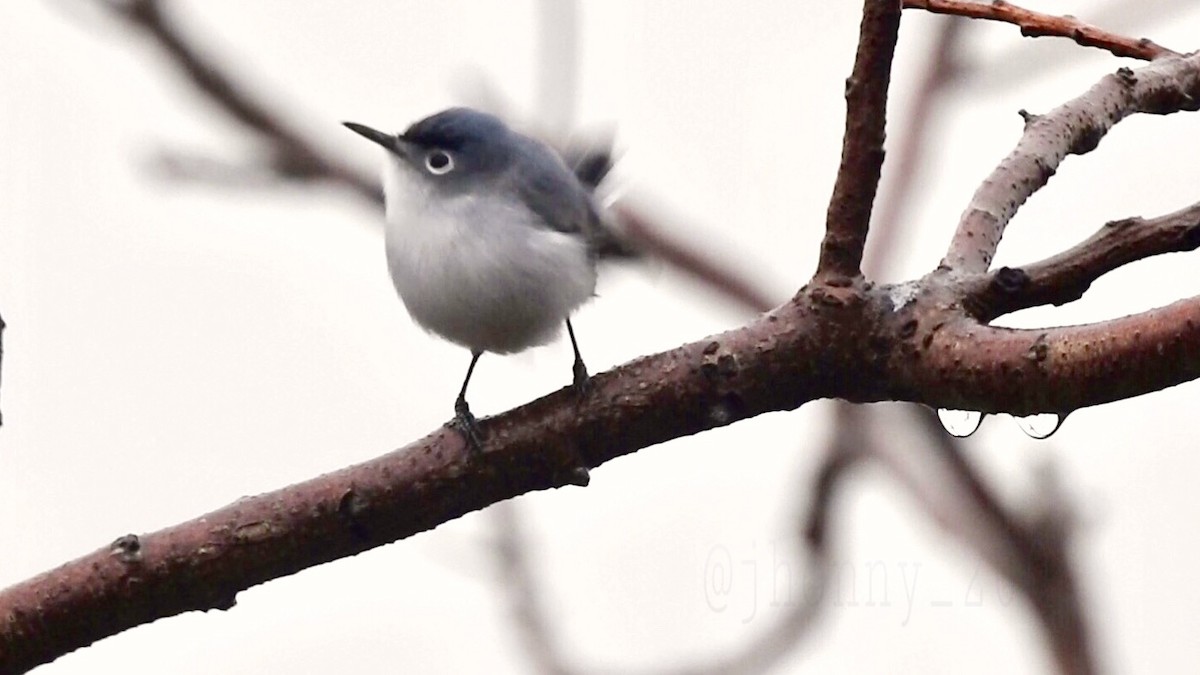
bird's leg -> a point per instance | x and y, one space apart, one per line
577 369
579 473
464 421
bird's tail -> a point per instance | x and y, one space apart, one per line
591 160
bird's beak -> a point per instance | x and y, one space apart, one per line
391 142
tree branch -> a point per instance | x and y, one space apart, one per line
1029 370
828 342
849 214
1067 276
950 490
1036 24
1168 85
202 564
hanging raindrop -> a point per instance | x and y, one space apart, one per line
961 423
1041 425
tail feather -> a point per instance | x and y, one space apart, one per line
591 162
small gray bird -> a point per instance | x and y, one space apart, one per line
491 240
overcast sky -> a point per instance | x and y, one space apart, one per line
173 346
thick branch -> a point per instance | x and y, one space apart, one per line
1052 369
849 215
850 343
1165 86
1036 24
202 564
1065 277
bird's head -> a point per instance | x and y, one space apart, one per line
451 149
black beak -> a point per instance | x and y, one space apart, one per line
391 142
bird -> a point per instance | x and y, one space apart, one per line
492 241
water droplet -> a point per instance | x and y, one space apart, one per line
1041 425
961 423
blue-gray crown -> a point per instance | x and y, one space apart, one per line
457 128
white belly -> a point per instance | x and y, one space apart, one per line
479 275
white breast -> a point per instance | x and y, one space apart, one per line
479 271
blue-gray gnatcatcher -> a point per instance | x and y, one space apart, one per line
491 240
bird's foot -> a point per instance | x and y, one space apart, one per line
467 425
582 382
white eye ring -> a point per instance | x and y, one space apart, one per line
439 162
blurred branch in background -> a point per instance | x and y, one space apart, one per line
288 152
536 628
695 259
907 160
1031 550
557 29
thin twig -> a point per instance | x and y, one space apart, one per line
1018 66
849 214
1036 24
1065 277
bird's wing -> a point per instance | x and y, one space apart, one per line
549 189
554 193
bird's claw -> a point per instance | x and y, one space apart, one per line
582 382
467 425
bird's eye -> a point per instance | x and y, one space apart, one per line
439 162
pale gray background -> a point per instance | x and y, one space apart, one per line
173 347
